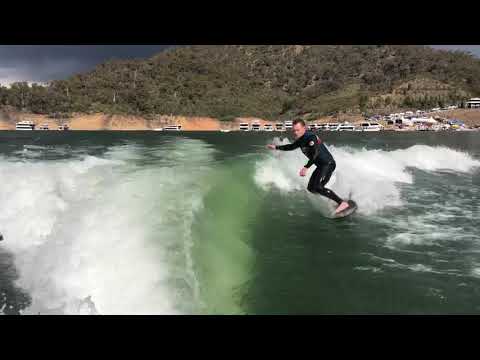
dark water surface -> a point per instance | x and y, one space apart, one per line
161 223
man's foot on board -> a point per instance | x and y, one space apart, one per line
343 206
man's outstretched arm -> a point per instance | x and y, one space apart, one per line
288 147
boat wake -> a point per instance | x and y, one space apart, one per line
106 235
373 178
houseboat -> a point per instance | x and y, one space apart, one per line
332 126
268 127
63 127
43 127
473 103
371 126
423 127
244 127
25 125
404 122
346 127
288 125
279 127
172 128
255 127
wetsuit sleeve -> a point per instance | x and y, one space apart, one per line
288 147
312 143
309 164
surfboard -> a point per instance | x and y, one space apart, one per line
347 212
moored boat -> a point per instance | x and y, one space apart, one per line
244 127
172 128
268 127
25 125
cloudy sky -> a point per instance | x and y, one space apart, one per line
40 63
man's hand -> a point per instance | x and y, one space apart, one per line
303 172
271 147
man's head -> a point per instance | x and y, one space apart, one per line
299 128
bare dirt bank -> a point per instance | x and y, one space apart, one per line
471 117
98 122
93 122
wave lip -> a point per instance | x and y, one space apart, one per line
371 177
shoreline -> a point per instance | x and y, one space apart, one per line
106 122
239 131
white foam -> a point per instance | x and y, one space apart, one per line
103 228
371 177
368 268
420 268
476 272
3 298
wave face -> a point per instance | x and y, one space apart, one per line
416 205
106 235
373 178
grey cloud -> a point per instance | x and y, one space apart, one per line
474 49
39 63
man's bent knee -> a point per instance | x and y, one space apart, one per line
321 190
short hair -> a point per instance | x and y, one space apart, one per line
299 121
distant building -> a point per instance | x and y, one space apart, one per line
473 103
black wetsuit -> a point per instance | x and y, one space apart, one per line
318 154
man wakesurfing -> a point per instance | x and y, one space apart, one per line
318 154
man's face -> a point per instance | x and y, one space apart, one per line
298 130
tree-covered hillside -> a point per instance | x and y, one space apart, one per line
264 81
